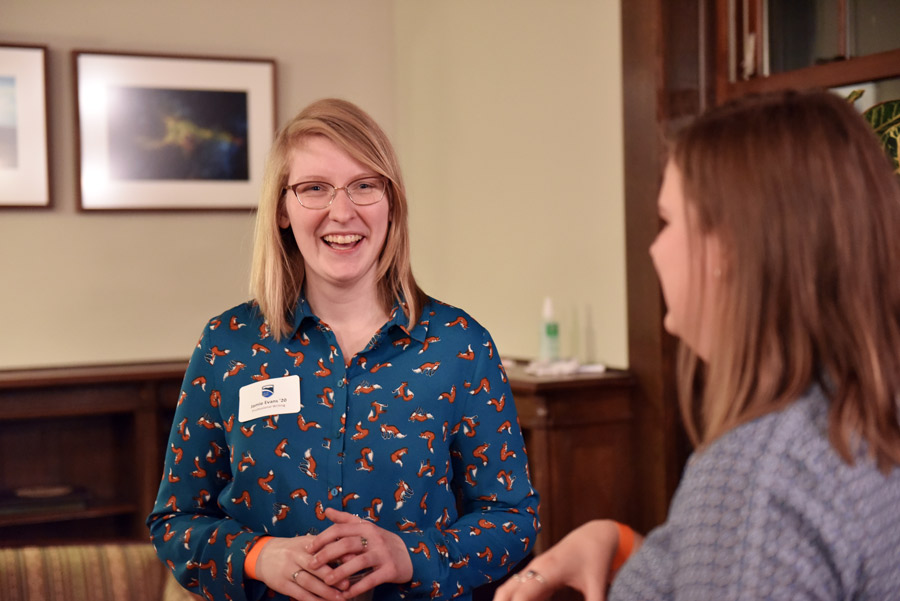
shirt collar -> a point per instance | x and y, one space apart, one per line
302 312
396 321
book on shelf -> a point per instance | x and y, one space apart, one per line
43 499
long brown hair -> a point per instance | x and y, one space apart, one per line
278 269
807 210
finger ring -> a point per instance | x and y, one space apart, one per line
295 574
364 542
532 575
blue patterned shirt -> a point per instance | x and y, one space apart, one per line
419 417
771 511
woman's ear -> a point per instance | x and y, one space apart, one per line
716 258
283 219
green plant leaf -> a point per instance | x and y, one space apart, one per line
884 118
855 95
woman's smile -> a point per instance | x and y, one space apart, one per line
342 241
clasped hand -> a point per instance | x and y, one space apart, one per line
345 560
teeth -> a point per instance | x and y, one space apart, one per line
342 239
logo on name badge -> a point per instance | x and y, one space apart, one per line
268 390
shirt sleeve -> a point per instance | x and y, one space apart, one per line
498 520
204 548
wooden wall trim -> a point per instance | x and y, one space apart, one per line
668 73
854 70
642 88
91 374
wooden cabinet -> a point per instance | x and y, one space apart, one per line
95 430
578 432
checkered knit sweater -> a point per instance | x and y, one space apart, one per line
770 511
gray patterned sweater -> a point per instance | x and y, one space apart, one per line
770 511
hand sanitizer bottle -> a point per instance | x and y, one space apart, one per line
549 348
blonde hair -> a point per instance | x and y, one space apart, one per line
277 274
807 210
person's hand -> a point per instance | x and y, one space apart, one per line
580 560
352 545
284 565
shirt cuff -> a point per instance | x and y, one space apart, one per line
253 555
426 568
623 550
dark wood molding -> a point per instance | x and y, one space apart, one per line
83 374
667 65
642 89
853 70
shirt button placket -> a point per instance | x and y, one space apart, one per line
335 476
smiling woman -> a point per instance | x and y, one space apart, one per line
425 498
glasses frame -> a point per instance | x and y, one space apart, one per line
334 191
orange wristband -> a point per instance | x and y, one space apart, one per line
623 551
253 555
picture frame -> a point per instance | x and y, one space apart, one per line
24 137
170 132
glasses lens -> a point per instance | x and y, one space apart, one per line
367 191
314 195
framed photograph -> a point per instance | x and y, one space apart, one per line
172 132
24 177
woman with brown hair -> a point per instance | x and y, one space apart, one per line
779 260
343 433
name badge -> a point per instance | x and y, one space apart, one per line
269 397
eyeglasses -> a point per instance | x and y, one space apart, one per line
319 195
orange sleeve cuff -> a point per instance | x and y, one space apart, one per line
623 551
253 555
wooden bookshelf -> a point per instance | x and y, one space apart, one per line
98 429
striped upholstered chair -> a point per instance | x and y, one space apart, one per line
91 572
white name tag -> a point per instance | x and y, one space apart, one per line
269 397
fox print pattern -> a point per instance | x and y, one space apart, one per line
394 435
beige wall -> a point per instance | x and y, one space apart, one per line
506 116
510 128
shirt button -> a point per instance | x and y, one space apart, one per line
334 492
